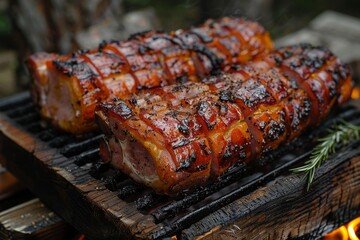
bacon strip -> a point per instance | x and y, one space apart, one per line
182 136
67 88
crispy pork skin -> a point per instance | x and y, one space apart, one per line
67 88
181 136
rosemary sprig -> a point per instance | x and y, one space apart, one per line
341 133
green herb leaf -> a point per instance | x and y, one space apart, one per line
341 133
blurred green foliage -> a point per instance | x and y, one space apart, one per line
5 31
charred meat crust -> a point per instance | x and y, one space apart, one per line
195 131
146 60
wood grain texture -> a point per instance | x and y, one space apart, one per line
283 209
32 220
38 167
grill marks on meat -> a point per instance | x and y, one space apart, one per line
189 134
145 60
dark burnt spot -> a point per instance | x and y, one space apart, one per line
106 106
143 49
275 130
201 167
123 110
254 93
202 107
236 67
335 75
178 88
287 54
227 153
182 142
211 79
106 42
262 125
204 148
242 155
186 163
80 52
267 150
216 72
173 39
133 101
223 109
75 67
182 79
226 96
293 84
205 38
314 62
332 89
183 129
277 60
215 61
139 35
294 65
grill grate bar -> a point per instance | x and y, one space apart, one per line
34 127
98 168
61 141
19 110
15 101
112 181
175 207
78 147
27 118
128 188
88 156
148 201
48 134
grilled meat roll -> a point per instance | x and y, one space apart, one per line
67 88
182 136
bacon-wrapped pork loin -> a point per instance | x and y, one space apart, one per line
182 136
67 88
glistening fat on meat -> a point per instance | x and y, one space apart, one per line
67 88
184 135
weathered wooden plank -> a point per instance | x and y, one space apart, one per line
59 188
32 220
284 209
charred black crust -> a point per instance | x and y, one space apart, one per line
183 129
133 101
182 79
215 60
75 67
80 52
201 110
275 130
123 110
226 96
103 44
205 38
139 35
187 162
173 39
